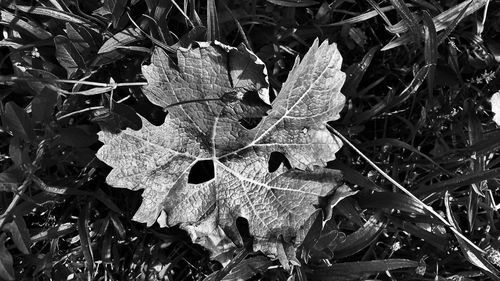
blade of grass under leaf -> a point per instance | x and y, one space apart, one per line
18 121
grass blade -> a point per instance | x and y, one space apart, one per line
414 85
213 32
457 182
83 231
25 27
402 144
408 18
453 24
443 21
55 14
355 73
341 271
293 3
362 17
441 242
391 200
361 238
430 49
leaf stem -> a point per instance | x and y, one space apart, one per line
4 79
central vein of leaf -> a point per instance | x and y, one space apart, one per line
269 187
287 111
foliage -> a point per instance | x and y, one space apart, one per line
419 75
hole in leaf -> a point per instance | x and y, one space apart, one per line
202 171
275 160
243 228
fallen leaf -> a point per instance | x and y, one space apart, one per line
205 126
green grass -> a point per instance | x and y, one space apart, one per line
419 78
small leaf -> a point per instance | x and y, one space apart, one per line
6 261
19 234
68 56
11 178
81 38
19 152
42 106
18 121
48 81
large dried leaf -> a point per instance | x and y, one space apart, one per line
208 91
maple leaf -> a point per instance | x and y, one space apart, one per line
208 91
